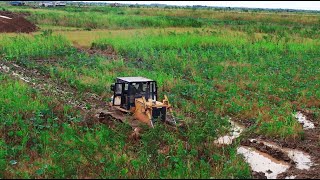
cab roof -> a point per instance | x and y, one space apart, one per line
134 79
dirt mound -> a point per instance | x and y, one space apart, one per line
15 22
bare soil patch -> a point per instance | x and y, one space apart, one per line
309 144
16 22
109 52
48 86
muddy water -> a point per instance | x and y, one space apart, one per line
235 132
303 120
4 68
259 161
25 79
290 177
301 159
262 162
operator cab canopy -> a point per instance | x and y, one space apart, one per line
133 79
127 89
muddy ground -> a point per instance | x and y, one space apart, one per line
61 90
108 52
16 22
310 144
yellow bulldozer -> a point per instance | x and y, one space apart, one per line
135 101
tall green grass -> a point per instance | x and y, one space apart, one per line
114 21
38 47
208 75
285 18
41 139
250 72
305 25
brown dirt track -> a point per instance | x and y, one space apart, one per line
309 144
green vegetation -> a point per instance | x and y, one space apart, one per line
305 25
206 73
252 67
42 139
39 47
95 20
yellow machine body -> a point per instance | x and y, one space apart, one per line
129 100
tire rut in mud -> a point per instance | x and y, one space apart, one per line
269 150
86 103
291 152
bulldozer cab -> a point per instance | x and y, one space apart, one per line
127 89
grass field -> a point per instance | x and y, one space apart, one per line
253 67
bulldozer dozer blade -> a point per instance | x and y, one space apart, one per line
118 115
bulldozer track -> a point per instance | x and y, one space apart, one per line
46 85
90 104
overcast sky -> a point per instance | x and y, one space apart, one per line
307 5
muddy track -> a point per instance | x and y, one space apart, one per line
311 145
85 102
274 158
266 149
301 164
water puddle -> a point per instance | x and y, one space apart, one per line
303 120
15 65
301 159
5 68
5 17
290 177
25 79
235 132
262 162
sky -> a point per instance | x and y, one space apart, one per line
306 5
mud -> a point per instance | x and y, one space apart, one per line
304 152
290 177
15 22
245 122
258 175
47 86
284 159
276 153
303 120
109 52
235 132
301 159
310 115
135 135
266 162
310 144
88 104
263 162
